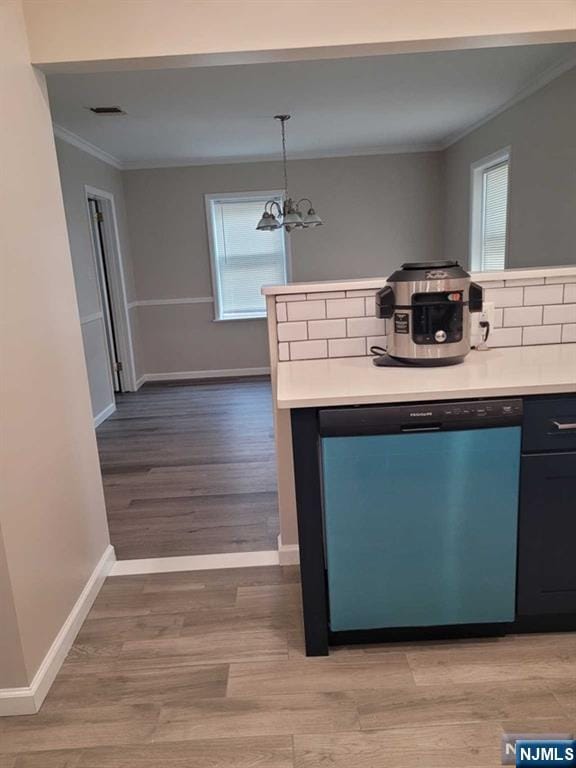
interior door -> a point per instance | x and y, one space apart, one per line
99 243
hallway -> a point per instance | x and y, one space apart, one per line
189 469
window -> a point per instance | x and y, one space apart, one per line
243 258
489 224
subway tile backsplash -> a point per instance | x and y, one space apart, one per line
341 323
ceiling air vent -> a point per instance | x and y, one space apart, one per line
107 110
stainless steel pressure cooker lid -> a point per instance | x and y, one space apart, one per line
428 270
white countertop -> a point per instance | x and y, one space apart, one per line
501 372
374 283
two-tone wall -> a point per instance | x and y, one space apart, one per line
79 169
377 210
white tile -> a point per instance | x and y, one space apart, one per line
326 329
366 326
569 292
370 302
569 332
291 297
283 352
327 295
526 281
542 334
505 297
376 341
505 337
522 316
307 310
357 294
346 347
544 294
281 314
308 350
556 280
560 313
292 331
345 308
498 318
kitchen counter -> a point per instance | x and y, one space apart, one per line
514 371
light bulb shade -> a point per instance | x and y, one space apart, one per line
292 219
268 222
311 219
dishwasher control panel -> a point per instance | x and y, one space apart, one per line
419 417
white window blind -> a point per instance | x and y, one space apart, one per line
243 258
494 217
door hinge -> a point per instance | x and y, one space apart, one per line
118 366
98 216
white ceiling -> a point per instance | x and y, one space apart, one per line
339 107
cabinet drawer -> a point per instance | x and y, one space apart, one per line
549 425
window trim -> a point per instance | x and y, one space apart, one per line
224 197
477 170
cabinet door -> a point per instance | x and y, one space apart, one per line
547 535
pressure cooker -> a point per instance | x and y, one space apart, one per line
427 306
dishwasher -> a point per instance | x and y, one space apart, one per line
420 512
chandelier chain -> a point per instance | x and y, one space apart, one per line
285 163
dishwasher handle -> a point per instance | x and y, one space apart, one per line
420 428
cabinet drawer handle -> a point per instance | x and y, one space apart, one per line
564 425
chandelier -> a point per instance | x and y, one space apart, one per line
287 215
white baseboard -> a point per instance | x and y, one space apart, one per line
195 563
222 373
103 415
28 700
288 554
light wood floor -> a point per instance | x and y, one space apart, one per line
189 469
207 670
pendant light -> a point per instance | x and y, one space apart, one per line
287 215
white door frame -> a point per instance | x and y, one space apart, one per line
119 309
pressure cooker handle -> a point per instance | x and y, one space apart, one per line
475 297
385 302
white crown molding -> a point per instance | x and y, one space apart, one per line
398 149
436 146
167 302
28 700
86 146
195 563
528 89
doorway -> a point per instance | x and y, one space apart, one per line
111 287
95 208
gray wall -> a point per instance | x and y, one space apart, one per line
541 130
78 168
379 211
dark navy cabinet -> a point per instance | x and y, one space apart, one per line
547 517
